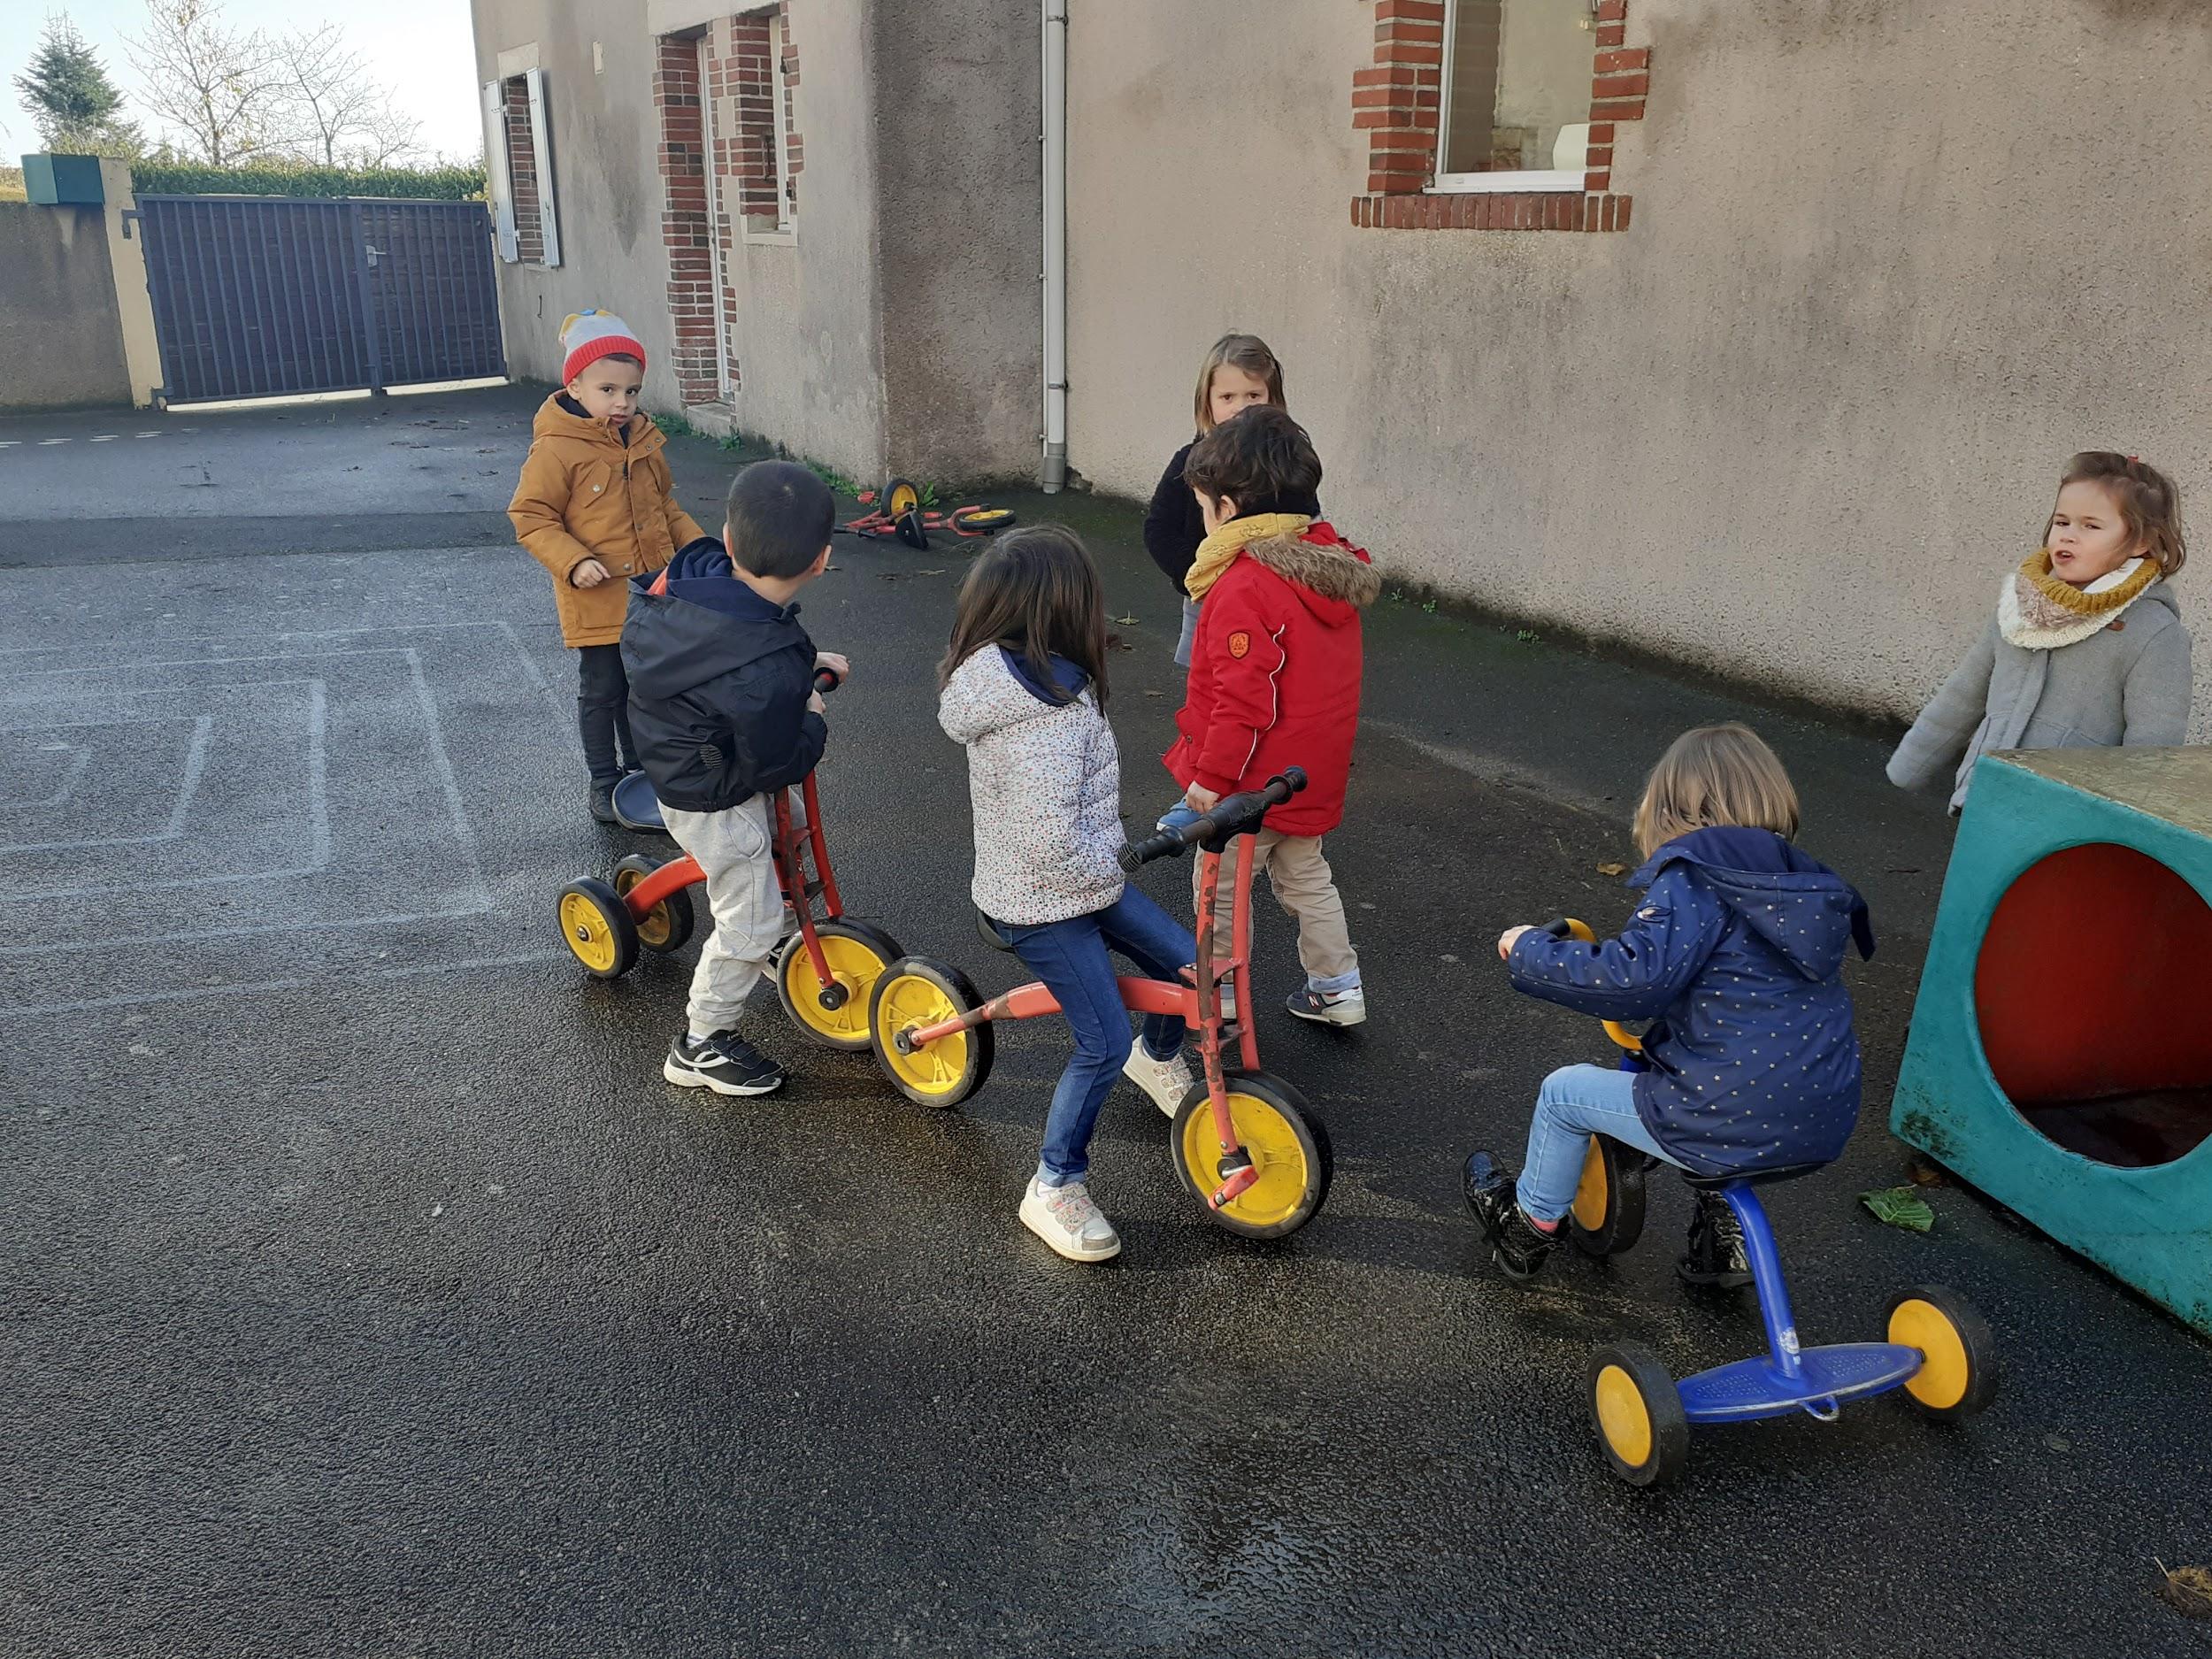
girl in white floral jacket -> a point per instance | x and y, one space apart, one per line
1024 691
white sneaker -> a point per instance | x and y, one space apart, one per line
1167 1081
1066 1218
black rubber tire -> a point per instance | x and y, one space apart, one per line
978 1050
792 961
1978 1346
1312 1134
1623 1222
594 919
1670 1428
668 925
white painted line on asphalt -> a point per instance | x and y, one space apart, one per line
48 444
315 982
149 435
11 444
105 437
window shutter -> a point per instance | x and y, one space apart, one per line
541 146
497 188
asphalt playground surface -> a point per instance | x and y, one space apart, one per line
365 1291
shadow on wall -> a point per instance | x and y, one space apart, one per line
61 329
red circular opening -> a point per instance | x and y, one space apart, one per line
2094 991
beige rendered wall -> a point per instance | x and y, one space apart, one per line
807 340
1890 265
59 331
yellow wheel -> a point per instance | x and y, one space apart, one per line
914 992
1278 1130
596 926
1606 1216
899 499
668 925
1958 1370
857 955
1638 1414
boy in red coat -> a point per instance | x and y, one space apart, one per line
1274 678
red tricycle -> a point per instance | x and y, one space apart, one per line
827 968
1245 1143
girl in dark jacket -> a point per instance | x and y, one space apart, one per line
1737 952
1237 373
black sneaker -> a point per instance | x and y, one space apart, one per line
602 800
725 1063
1517 1248
1716 1257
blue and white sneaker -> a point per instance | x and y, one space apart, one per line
1330 1008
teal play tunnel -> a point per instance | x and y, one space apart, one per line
2060 1051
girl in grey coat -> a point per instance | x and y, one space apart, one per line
2086 650
1023 689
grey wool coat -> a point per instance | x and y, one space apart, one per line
2128 685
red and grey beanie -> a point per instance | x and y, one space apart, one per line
588 336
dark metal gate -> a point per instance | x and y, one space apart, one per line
257 297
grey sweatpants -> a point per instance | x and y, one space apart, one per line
735 847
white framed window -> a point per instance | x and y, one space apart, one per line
1515 106
724 352
767 117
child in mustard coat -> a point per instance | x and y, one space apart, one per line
596 506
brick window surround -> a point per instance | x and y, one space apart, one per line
685 231
1397 102
721 175
522 173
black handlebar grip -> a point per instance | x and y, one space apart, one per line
1133 858
827 679
1557 928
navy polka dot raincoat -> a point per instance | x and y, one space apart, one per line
1737 952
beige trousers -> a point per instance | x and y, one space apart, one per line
1304 887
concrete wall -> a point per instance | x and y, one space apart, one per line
957 118
60 333
1890 265
924 306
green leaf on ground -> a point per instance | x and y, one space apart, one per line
1899 1207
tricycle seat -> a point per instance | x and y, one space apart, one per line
1750 1178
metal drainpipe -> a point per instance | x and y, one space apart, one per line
1056 250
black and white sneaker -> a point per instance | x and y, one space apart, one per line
725 1063
1715 1257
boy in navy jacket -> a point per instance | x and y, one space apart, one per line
1737 953
724 712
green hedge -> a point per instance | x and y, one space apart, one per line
443 184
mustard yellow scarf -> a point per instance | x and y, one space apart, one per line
2037 611
1219 551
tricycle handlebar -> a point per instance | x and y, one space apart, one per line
1232 814
827 679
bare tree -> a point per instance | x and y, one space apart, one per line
328 94
222 88
388 137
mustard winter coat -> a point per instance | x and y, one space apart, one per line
586 493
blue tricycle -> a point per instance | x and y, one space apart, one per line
1939 1349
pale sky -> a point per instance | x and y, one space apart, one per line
423 49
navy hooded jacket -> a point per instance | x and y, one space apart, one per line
1738 953
719 680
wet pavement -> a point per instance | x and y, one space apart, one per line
367 1291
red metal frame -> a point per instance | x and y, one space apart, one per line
1197 1002
793 852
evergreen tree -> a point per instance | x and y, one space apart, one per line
76 107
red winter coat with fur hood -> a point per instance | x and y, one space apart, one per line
1274 675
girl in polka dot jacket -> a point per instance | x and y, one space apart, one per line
1024 691
1737 953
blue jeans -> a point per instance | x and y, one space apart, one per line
1576 1102
1071 957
